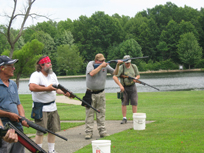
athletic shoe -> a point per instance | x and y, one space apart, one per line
124 121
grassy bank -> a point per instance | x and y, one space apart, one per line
178 125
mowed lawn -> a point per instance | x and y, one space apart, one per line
178 122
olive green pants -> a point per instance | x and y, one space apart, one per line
98 102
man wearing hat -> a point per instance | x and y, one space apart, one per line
127 86
10 106
44 96
95 82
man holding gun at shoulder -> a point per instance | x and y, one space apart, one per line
10 106
95 82
44 106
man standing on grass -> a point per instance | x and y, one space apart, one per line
127 86
10 106
44 95
95 82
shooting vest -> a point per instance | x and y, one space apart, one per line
124 73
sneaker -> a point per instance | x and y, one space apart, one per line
88 136
124 121
52 151
104 135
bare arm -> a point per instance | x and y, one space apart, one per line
22 113
115 78
96 70
117 67
59 91
137 77
39 88
10 115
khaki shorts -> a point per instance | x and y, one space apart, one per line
50 121
130 94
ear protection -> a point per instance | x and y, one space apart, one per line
2 69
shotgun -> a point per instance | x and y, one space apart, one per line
138 81
22 138
39 128
124 60
59 86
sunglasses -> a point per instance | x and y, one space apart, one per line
101 60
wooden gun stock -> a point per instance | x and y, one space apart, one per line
138 81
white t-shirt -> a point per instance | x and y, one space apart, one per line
46 96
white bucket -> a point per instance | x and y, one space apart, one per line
101 146
139 120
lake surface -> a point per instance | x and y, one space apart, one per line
164 81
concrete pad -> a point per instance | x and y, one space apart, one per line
76 136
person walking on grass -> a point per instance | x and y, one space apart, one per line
95 82
128 86
44 96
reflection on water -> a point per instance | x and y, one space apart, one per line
163 81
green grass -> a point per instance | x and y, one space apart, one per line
178 126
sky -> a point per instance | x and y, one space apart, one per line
60 10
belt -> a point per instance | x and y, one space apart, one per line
95 91
129 85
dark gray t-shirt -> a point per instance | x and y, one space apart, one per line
97 82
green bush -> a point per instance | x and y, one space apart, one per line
200 64
162 65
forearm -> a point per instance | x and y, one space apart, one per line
21 110
39 88
116 69
59 91
1 124
137 77
115 78
4 113
96 70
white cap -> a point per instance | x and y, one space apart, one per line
125 57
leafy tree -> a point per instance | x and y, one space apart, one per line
162 48
49 46
189 50
65 25
3 41
27 56
128 47
96 34
28 32
170 35
48 27
66 38
25 13
187 26
69 60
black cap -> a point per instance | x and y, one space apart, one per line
4 60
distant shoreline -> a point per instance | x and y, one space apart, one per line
146 72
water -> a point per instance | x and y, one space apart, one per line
163 81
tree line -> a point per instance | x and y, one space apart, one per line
168 34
